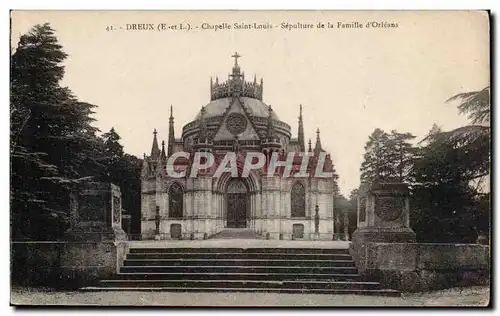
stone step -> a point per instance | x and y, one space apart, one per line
269 284
240 250
379 292
237 276
238 262
237 233
239 255
239 269
277 270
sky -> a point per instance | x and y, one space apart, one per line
349 80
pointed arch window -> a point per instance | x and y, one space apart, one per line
175 201
298 200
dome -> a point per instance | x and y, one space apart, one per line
255 106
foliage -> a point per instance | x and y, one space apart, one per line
123 170
448 202
53 144
51 135
442 198
388 157
475 104
445 172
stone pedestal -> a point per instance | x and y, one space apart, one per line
384 214
96 213
383 217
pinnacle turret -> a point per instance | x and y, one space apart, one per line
163 155
236 84
171 136
301 132
317 147
155 150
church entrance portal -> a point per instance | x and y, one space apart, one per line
236 197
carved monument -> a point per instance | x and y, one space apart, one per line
96 213
384 214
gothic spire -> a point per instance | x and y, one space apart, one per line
163 156
211 88
202 134
270 127
317 147
145 167
171 136
155 150
261 88
301 132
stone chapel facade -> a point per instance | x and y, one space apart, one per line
236 120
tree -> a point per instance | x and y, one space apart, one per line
376 166
473 141
442 199
113 153
53 144
388 157
400 154
352 207
448 204
131 188
123 170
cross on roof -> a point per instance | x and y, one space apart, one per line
236 56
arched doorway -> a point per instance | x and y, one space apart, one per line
236 197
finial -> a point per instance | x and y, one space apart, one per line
310 146
236 56
163 143
144 155
255 78
171 111
155 132
317 147
301 110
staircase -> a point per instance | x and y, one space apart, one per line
235 233
284 270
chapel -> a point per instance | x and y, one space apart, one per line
236 119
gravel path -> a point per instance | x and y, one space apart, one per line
472 296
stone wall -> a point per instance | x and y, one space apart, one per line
65 264
35 263
414 267
268 208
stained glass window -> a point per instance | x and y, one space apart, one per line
175 201
298 200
